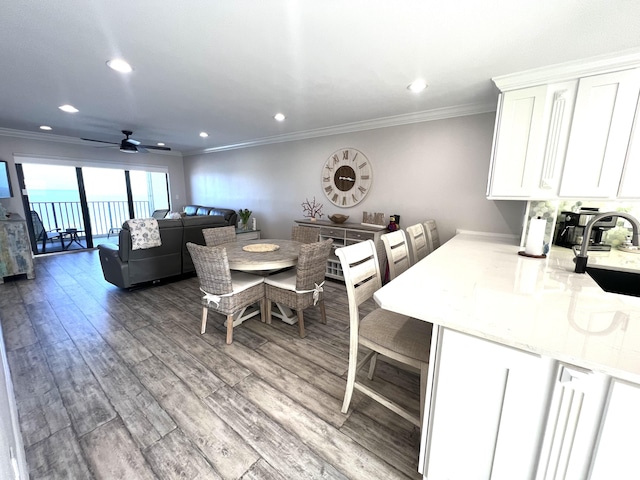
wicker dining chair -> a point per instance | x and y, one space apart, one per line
391 335
224 291
433 238
395 244
219 235
301 287
417 240
304 234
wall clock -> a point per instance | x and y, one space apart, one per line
346 177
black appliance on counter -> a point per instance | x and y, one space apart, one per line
570 229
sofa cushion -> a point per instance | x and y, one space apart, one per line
191 209
203 211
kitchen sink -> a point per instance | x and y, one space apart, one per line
615 281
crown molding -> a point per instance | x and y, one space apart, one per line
385 122
52 137
569 71
393 121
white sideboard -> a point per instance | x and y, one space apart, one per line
347 234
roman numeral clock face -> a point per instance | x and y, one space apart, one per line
346 177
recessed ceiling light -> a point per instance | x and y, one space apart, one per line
160 144
279 117
45 127
417 86
119 65
204 134
68 108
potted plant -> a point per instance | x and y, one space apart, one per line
245 214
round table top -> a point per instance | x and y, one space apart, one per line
285 256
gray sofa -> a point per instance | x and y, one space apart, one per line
125 267
230 216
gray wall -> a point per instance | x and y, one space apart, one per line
434 169
10 145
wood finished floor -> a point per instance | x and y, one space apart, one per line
115 384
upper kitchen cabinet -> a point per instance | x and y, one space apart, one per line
600 134
530 140
630 182
565 131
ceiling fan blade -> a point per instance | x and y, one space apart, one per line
99 141
154 147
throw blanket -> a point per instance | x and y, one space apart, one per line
145 233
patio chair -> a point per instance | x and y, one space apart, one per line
41 233
159 214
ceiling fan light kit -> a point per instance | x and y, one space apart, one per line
129 145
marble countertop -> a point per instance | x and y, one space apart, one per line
478 284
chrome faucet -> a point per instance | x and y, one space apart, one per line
581 259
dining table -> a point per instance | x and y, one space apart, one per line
263 257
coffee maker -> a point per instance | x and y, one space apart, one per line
571 225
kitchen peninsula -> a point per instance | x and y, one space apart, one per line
534 369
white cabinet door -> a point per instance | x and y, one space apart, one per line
630 183
600 130
573 424
487 413
531 140
618 452
518 142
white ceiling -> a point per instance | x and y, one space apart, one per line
227 66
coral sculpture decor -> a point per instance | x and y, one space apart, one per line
312 209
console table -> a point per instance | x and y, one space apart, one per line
347 234
15 249
242 235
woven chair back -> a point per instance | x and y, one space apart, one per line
212 268
303 234
219 235
312 264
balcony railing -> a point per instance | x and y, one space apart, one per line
104 216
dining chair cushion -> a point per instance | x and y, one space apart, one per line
241 281
285 280
397 332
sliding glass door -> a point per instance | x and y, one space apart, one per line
86 205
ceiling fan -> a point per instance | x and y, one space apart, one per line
129 145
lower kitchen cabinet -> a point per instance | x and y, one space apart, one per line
617 453
495 412
572 427
487 410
